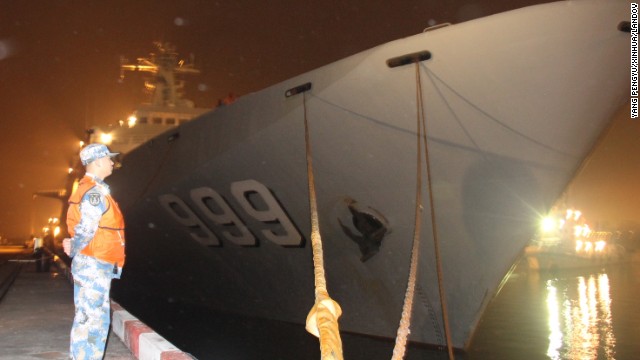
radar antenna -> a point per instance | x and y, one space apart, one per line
165 89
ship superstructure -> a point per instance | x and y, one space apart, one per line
166 109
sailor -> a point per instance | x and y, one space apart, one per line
97 246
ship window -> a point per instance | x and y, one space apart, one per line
183 121
170 121
157 120
143 120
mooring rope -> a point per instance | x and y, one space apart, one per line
405 321
402 335
322 320
434 227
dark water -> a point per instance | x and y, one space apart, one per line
590 313
579 314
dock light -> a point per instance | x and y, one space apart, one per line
548 224
131 121
106 138
577 230
576 215
600 245
579 245
573 214
588 246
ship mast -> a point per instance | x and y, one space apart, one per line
165 89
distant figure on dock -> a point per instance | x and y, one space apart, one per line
42 251
38 253
97 247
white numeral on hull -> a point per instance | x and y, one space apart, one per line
253 197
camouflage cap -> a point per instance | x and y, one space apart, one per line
94 152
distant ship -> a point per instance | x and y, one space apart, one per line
218 211
566 241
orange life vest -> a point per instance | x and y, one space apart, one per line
108 242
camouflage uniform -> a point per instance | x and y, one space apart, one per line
92 280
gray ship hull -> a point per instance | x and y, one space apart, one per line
218 213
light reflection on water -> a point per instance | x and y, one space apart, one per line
590 313
583 310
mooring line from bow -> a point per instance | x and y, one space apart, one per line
322 320
405 321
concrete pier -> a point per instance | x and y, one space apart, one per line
36 315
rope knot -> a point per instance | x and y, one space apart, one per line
325 311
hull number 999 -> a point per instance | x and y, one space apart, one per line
261 208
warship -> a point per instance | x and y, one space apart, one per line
426 161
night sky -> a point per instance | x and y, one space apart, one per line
59 72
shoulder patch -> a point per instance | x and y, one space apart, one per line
94 199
